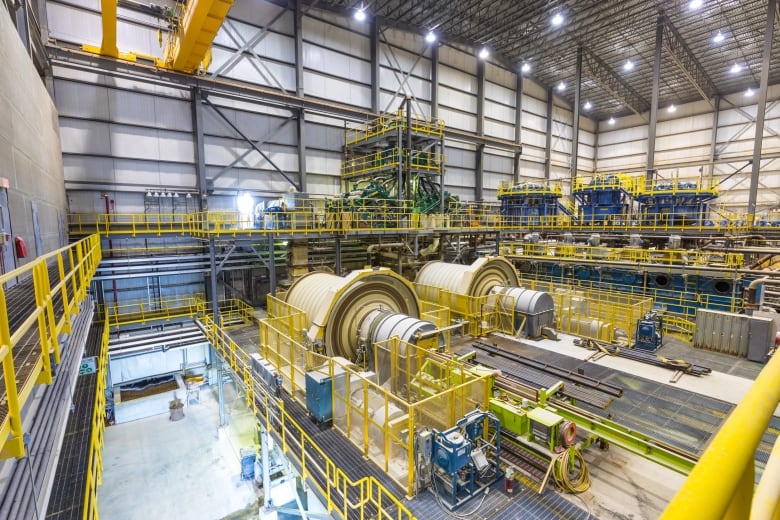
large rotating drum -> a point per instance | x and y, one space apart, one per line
476 279
339 307
534 310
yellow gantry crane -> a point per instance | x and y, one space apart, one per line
189 41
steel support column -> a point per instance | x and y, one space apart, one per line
434 81
758 141
215 359
518 123
298 30
301 134
374 44
271 265
481 97
548 135
199 147
659 40
479 172
714 139
575 132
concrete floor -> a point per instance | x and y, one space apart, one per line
156 468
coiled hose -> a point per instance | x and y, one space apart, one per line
571 481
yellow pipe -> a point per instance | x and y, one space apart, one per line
715 488
767 495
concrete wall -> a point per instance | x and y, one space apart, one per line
30 153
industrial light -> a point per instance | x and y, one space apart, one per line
561 86
189 196
157 194
244 203
484 53
175 195
672 109
629 65
526 67
149 193
736 68
557 19
360 15
611 121
718 37
587 105
430 37
749 92
695 4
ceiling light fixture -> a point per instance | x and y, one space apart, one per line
557 20
360 15
735 68
718 37
189 196
587 105
695 4
430 37
561 86
749 92
149 193
484 53
628 65
526 67
611 121
672 109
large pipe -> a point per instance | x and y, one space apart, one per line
477 279
337 306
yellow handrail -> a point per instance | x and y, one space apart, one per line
369 490
95 462
45 323
721 484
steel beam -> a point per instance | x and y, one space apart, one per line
758 141
714 138
215 359
198 28
300 128
108 22
659 37
518 123
248 44
298 30
250 142
375 69
479 172
481 97
435 81
243 154
548 134
575 133
685 60
614 84
199 147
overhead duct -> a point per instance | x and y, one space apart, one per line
340 308
476 279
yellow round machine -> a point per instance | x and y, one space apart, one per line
348 314
476 279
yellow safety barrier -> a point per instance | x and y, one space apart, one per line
480 314
721 484
383 215
390 159
390 123
55 303
625 254
342 496
94 477
232 311
529 188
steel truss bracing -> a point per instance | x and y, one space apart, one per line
682 56
610 81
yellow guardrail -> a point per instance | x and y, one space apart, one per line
342 496
614 181
388 123
625 254
721 485
75 265
480 314
145 310
679 327
94 477
344 215
389 159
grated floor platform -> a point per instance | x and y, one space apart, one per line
67 497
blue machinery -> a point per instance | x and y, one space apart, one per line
465 457
604 198
528 203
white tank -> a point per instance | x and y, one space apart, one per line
476 279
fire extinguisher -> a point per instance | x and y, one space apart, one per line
21 247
